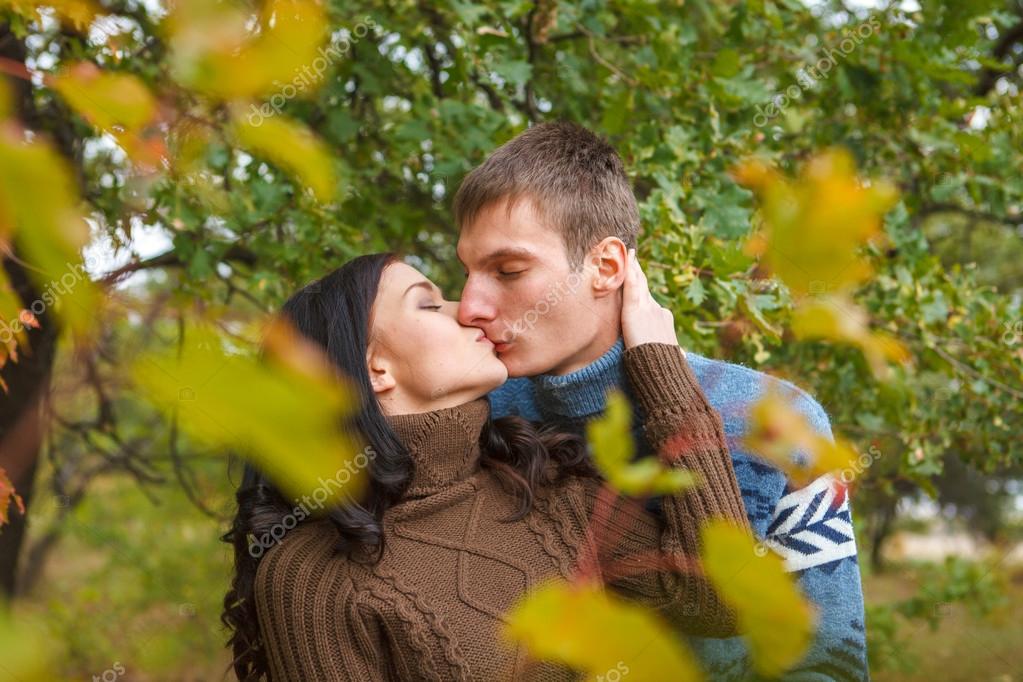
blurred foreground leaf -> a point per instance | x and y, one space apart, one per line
611 443
813 227
40 213
292 146
25 654
119 104
773 617
590 630
76 13
219 52
777 431
839 319
283 413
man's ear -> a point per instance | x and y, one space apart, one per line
380 376
609 260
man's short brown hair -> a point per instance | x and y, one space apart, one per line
575 179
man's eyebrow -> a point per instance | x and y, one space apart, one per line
506 253
424 284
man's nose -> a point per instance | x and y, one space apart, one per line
474 308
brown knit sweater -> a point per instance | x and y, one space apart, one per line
433 607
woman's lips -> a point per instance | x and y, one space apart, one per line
482 338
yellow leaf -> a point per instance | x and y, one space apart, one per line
837 318
777 432
26 653
613 450
107 100
582 626
6 100
39 206
775 619
292 146
76 13
216 51
117 103
815 226
283 413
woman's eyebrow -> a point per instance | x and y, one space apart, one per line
424 284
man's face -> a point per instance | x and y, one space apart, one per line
523 293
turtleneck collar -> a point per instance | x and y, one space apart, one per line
444 444
584 391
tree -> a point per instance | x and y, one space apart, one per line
269 155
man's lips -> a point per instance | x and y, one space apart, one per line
499 345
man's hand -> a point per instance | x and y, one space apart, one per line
644 320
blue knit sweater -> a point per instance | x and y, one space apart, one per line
811 528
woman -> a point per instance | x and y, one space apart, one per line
463 515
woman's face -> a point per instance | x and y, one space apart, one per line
419 357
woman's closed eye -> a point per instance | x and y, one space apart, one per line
429 307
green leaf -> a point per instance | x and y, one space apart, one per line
515 72
27 651
726 63
695 291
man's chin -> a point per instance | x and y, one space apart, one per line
517 367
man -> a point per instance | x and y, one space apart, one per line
547 224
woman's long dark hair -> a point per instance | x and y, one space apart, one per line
334 312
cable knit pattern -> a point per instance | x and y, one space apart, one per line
434 606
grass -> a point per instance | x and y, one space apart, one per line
964 646
135 584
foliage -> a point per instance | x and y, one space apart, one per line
977 586
215 125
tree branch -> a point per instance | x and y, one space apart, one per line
989 76
170 259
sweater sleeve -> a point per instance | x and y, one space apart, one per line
688 434
318 621
313 627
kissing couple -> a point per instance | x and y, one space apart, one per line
482 489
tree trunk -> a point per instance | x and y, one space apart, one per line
21 419
881 531
28 380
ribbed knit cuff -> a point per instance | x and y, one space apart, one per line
660 377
